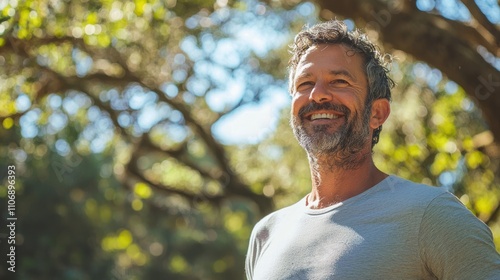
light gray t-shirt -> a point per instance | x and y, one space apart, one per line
394 230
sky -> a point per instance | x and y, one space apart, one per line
254 122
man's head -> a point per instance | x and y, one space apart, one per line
340 92
336 32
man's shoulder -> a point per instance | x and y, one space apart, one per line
411 189
272 219
408 195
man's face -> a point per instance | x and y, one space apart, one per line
329 114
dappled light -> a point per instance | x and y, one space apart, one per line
148 137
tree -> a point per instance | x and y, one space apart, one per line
108 109
104 103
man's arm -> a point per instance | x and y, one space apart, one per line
454 244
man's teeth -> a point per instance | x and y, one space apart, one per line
323 116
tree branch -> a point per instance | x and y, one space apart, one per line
80 84
53 82
493 31
13 44
168 190
215 147
179 154
132 169
232 186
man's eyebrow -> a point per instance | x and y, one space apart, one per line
303 75
341 72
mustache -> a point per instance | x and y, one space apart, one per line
313 106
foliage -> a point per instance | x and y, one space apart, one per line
107 112
433 137
111 112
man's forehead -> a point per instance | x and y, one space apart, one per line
345 53
338 52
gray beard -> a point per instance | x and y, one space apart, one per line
340 148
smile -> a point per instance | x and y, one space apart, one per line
324 116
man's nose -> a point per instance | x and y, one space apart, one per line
320 93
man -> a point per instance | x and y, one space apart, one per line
358 222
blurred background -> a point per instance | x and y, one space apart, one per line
149 136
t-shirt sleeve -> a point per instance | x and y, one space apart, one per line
258 237
251 255
454 244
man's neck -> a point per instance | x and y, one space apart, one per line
333 184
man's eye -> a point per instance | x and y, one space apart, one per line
303 84
340 81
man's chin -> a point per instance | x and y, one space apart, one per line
326 144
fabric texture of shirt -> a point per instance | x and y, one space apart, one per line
395 230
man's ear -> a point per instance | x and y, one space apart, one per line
381 109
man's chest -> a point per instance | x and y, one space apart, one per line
327 250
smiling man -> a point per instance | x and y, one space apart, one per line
358 222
